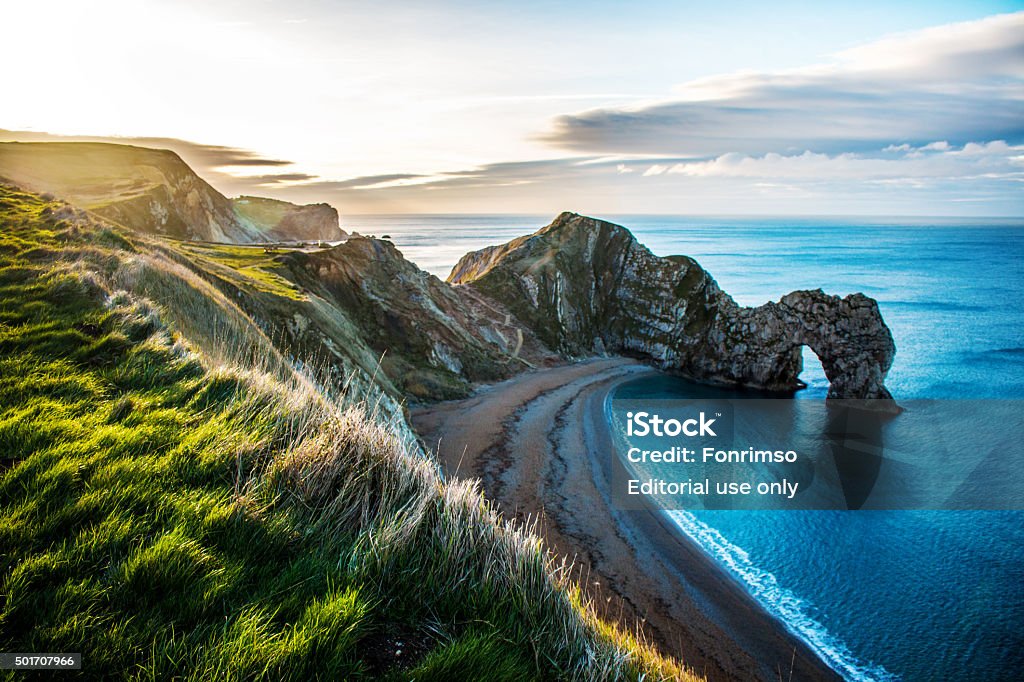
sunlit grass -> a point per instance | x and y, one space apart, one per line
256 263
176 507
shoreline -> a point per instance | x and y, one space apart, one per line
523 439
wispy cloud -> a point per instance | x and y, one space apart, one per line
271 179
958 83
368 182
930 179
920 122
194 153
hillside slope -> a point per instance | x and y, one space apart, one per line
433 341
359 313
154 191
178 502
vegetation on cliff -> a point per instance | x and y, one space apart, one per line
179 501
154 191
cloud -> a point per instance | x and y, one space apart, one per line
203 155
930 122
279 178
957 83
934 178
366 182
933 161
504 174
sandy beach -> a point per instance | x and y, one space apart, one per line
539 444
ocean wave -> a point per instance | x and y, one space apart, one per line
995 356
788 608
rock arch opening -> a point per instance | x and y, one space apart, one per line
812 375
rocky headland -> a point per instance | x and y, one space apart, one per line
588 287
362 323
432 341
284 221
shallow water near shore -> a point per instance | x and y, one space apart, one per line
912 595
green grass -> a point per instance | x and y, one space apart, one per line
252 262
174 510
122 524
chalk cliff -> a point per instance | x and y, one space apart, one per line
147 190
587 287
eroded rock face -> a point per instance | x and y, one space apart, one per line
586 286
284 221
761 346
432 341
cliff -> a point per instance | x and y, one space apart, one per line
433 341
359 311
147 190
577 287
284 221
154 191
587 287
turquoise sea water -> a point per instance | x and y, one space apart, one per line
912 595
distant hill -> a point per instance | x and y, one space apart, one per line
154 191
281 220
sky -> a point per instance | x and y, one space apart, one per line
882 108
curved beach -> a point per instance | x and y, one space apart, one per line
541 448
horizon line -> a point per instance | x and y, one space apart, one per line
597 215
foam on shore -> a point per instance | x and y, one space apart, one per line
788 608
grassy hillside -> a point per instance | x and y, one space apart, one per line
176 501
149 190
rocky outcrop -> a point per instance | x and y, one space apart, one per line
283 221
432 341
356 310
587 287
761 346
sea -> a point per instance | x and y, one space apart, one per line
895 594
